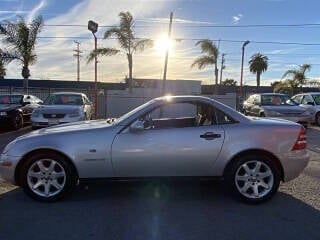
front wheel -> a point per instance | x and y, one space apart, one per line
253 179
318 118
48 177
17 121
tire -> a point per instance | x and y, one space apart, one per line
17 121
318 119
50 182
265 182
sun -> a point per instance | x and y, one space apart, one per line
163 43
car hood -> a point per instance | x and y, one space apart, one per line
69 127
8 107
56 109
286 109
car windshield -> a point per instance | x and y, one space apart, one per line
129 114
276 100
64 99
316 98
10 99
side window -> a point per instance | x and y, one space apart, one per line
297 99
307 99
223 118
179 115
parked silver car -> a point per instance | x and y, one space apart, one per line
310 101
274 105
182 136
62 107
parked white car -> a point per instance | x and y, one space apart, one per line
62 107
310 101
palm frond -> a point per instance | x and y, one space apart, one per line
102 52
304 68
35 28
141 45
258 63
203 61
291 72
208 47
123 40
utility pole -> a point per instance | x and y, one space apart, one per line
222 66
77 55
166 57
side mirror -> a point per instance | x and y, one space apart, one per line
310 103
137 126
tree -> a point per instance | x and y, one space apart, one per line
129 44
2 70
298 75
21 37
210 58
257 65
229 82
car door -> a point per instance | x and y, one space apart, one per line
186 150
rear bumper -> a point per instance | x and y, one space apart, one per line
294 163
5 120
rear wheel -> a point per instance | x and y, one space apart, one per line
48 177
253 178
318 118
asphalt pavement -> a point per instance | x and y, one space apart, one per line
166 210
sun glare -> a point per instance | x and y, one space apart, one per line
163 43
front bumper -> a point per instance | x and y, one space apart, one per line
7 167
294 163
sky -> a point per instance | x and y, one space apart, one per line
56 60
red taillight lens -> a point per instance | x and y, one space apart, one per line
301 142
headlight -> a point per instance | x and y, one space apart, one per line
76 113
9 146
270 113
3 113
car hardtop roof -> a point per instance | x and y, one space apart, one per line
182 98
67 93
275 94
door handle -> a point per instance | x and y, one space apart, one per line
210 135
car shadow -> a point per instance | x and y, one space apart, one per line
155 210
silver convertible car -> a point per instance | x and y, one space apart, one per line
178 136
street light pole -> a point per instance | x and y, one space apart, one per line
242 60
93 27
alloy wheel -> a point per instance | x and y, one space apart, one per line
46 177
254 179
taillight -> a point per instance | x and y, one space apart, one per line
301 142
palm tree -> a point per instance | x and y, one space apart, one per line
129 44
298 75
2 70
210 58
258 64
21 37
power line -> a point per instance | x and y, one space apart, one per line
195 39
77 55
198 25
